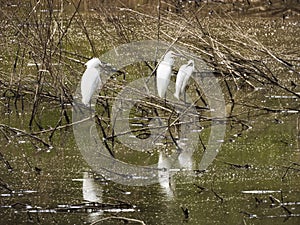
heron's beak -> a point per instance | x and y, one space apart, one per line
175 55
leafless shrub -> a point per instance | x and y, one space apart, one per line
45 51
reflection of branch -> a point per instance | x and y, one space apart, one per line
201 189
290 167
185 212
273 200
145 129
7 164
269 109
238 166
104 136
217 195
5 185
125 219
19 132
170 132
61 127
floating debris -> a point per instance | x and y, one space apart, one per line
17 193
260 192
282 96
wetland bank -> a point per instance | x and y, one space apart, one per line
251 50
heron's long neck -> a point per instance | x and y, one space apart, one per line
95 67
168 62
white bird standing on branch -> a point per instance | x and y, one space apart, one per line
183 75
163 73
90 80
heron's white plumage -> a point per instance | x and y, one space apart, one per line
90 80
183 75
163 73
94 62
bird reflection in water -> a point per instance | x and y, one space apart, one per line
167 169
92 193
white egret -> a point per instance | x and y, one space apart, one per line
163 73
90 80
183 75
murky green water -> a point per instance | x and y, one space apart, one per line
54 186
253 180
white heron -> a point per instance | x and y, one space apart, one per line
90 80
183 75
163 73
